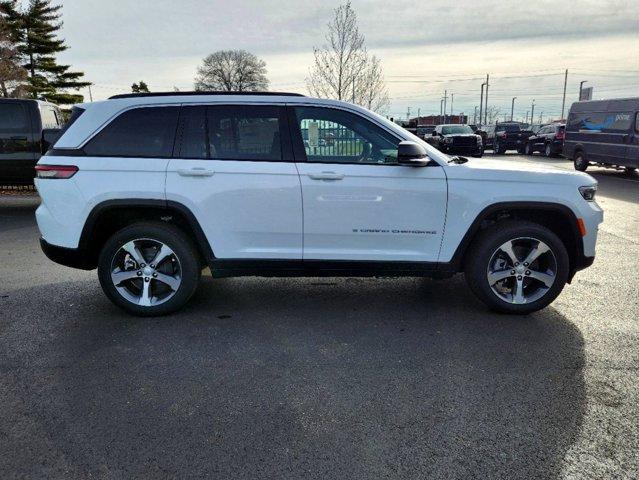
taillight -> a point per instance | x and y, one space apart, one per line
504 135
55 171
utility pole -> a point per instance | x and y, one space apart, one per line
408 114
581 86
527 112
512 108
419 114
541 117
563 103
481 103
90 94
475 116
452 98
486 111
532 112
441 106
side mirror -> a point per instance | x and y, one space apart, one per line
412 154
49 137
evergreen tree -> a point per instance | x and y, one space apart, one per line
38 43
141 87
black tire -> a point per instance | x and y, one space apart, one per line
528 150
479 254
184 251
548 150
580 162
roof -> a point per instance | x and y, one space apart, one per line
202 93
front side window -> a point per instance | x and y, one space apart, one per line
140 132
232 132
335 136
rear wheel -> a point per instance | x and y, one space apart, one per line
580 161
149 269
517 267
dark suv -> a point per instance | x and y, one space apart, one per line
456 139
510 136
25 126
549 140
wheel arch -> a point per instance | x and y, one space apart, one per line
554 216
110 216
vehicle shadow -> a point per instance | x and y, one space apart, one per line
285 378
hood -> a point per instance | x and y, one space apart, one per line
514 171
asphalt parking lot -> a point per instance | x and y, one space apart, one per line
321 378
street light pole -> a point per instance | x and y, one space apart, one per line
481 104
486 111
563 103
532 112
452 99
512 109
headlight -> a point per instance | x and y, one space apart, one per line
588 192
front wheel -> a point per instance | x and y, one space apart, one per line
517 267
149 269
528 149
548 150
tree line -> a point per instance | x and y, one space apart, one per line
29 44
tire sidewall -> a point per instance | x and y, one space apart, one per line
483 249
580 162
172 237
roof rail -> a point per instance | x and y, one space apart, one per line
179 94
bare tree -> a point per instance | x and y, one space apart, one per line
343 69
12 74
232 71
492 114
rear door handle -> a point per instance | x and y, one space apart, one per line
326 176
195 172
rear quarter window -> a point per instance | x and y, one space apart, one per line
140 132
14 117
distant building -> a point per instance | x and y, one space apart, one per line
438 120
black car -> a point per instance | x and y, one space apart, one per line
510 136
26 129
604 132
456 139
549 140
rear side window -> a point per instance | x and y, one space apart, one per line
232 132
49 117
141 132
600 121
13 117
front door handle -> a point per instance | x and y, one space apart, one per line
326 176
195 172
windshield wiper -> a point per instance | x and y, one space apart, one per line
457 159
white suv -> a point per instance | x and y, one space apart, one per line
152 188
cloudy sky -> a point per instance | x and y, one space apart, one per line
426 47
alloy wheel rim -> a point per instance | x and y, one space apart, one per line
146 272
522 270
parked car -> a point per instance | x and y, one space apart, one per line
603 132
549 140
25 133
510 136
535 128
152 188
424 131
456 139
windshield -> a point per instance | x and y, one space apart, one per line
453 129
